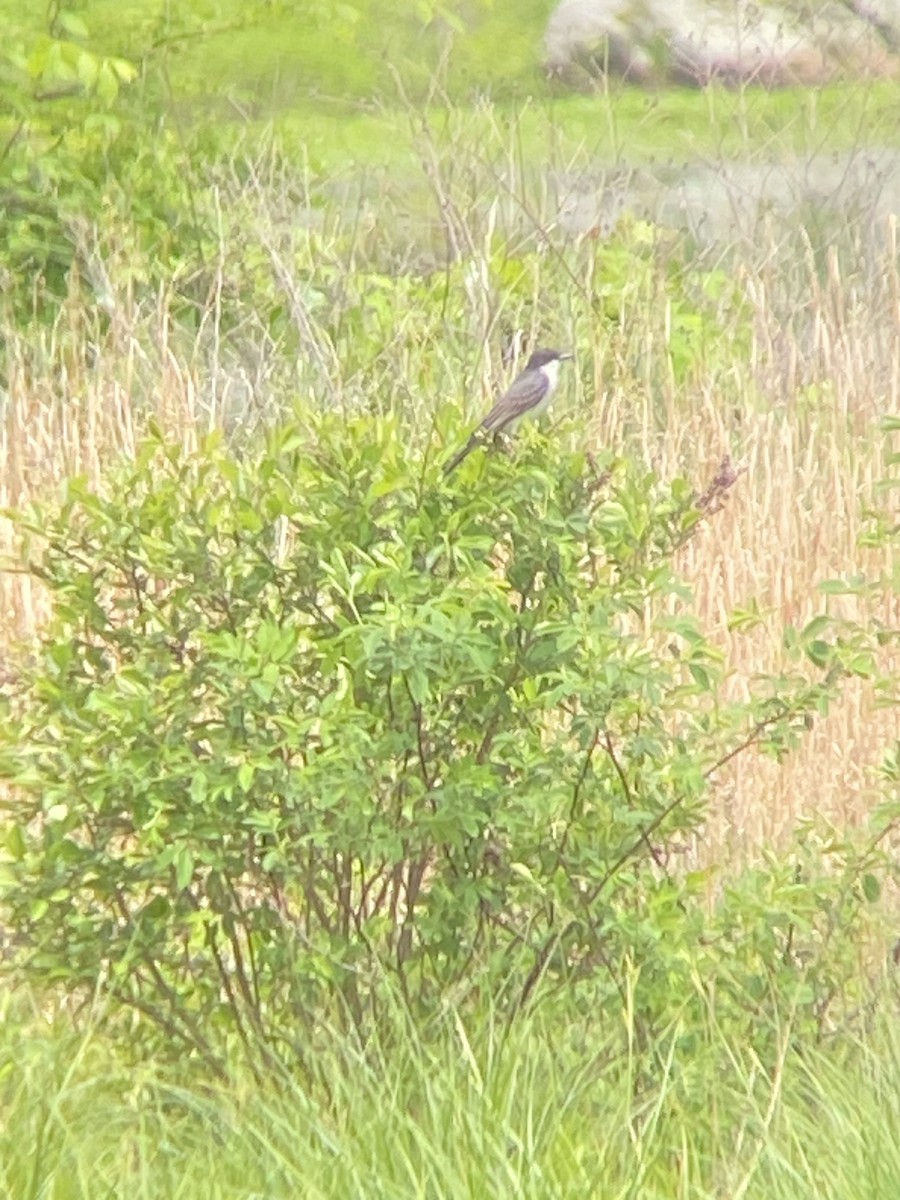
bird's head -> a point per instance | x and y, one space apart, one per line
543 358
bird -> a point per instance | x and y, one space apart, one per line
528 395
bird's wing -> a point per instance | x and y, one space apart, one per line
523 394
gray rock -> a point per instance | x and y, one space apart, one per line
734 41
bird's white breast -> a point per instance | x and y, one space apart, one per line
551 371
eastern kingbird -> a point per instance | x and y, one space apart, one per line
527 396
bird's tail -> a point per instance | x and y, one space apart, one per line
462 454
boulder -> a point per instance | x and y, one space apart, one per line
733 41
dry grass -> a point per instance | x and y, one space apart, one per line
800 411
823 376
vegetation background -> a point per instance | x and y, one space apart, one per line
565 931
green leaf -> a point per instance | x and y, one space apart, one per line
15 842
39 58
199 787
871 887
855 585
88 68
700 676
107 86
72 23
744 619
820 653
184 867
816 627
612 515
125 70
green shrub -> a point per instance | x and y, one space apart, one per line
90 168
316 721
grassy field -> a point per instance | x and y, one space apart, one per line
624 125
549 1108
396 256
